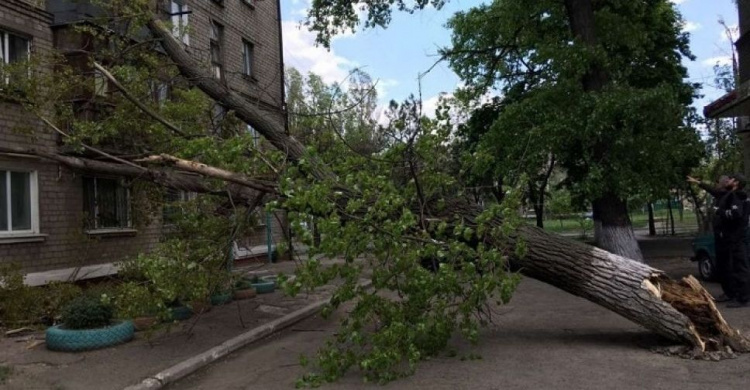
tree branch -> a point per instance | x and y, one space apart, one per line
137 102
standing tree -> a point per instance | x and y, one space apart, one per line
597 94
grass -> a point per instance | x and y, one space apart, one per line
688 222
5 372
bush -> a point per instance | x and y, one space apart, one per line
19 304
57 295
86 312
134 299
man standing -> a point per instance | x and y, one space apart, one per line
730 223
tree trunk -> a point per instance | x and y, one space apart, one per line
651 222
671 214
613 231
682 311
612 228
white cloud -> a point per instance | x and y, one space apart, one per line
690 26
677 1
382 86
301 53
721 60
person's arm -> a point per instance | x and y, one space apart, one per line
715 192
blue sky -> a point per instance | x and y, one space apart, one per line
397 55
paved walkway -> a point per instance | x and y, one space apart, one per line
128 364
571 331
543 339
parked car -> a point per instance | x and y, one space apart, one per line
704 253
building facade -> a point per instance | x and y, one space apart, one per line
54 220
736 104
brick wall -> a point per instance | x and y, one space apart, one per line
60 190
64 243
257 25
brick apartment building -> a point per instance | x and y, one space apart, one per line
43 204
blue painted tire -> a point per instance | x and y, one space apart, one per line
264 287
181 313
76 340
221 299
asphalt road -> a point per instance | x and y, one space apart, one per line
544 339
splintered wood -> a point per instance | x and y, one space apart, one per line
691 299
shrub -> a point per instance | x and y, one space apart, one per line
134 299
19 304
86 312
56 296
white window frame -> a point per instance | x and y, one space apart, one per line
178 12
5 48
33 193
128 205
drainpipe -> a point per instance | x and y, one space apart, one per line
268 236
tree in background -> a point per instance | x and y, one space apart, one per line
609 103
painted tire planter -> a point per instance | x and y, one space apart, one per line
221 299
244 294
76 340
264 286
181 313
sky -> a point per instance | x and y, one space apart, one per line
396 56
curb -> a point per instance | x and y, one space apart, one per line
193 364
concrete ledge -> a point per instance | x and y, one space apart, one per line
70 274
189 366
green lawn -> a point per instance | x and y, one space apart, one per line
640 221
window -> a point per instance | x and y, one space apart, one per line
179 15
247 58
254 134
106 204
172 208
160 92
13 48
249 3
217 65
219 2
218 115
18 203
101 84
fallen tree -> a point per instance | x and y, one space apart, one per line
423 222
679 310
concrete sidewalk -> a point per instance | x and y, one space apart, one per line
168 353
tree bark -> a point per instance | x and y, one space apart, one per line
671 214
613 231
682 311
163 177
651 222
